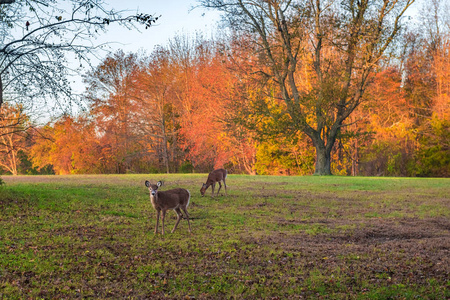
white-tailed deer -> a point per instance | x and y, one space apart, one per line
213 177
162 201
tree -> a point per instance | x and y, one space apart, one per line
428 89
13 122
204 88
69 146
115 111
155 85
319 54
37 37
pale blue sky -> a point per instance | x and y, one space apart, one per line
177 17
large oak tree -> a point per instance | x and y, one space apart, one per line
320 54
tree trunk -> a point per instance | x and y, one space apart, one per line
164 145
355 158
1 92
323 161
166 154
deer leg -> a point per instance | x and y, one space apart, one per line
179 216
187 216
157 220
225 186
220 186
213 186
163 217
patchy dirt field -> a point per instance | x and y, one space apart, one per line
271 237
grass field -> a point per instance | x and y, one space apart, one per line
271 238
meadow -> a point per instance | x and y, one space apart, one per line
89 236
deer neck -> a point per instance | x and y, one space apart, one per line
154 199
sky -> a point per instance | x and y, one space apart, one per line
176 17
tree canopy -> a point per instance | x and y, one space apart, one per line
38 39
339 42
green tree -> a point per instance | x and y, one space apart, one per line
433 158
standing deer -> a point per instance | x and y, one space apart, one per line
176 199
213 177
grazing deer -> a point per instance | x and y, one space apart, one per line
176 199
213 177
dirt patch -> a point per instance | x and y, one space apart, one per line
390 251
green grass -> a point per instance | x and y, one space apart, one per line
271 237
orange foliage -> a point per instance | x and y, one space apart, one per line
181 106
210 142
68 145
12 136
441 104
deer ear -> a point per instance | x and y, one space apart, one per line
159 183
147 183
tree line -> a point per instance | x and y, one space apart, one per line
290 90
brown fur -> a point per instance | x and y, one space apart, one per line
213 177
176 199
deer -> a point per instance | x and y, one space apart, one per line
162 201
213 177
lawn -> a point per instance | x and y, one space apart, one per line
271 237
